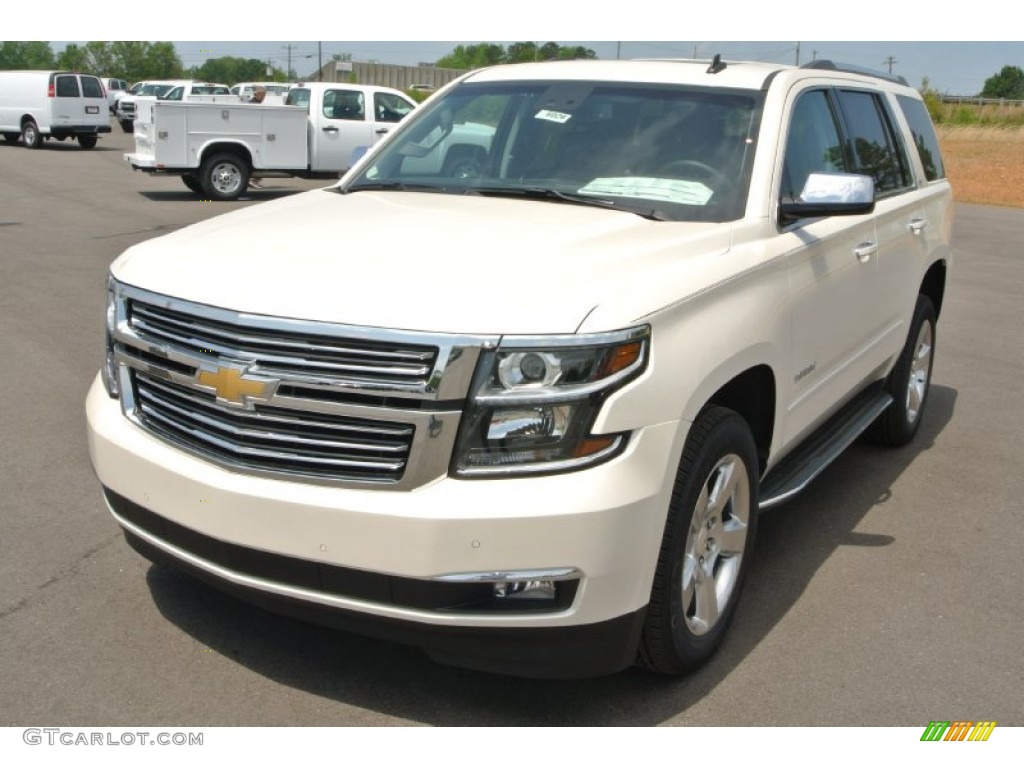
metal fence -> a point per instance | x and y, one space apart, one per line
388 75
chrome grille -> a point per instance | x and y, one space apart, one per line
335 404
282 352
273 438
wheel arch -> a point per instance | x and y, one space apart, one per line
934 285
752 394
225 147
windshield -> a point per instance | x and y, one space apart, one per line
155 89
672 152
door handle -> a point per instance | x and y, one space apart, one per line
329 129
917 225
865 251
382 131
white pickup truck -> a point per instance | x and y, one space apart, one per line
217 148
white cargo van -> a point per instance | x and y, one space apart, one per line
43 104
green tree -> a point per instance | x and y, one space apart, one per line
33 54
1008 84
94 57
473 56
135 60
234 69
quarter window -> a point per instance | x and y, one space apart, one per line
925 140
390 108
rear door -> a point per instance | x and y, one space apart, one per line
342 122
67 107
94 101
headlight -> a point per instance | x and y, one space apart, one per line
534 401
109 364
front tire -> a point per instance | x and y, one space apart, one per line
224 177
909 381
128 126
707 545
30 135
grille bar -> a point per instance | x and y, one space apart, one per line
285 352
283 439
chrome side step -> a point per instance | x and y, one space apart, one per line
798 469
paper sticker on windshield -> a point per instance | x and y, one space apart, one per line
554 117
646 188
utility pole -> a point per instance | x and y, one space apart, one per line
289 48
319 61
798 53
890 61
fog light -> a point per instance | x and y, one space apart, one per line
535 589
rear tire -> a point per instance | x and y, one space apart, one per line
909 381
12 138
30 135
127 126
87 140
224 177
707 545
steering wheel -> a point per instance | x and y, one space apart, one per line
707 173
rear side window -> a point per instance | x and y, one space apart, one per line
91 88
873 144
67 86
925 140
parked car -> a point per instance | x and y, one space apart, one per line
115 88
38 105
526 416
217 149
145 89
278 91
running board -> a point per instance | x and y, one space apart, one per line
798 469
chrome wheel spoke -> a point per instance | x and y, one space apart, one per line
705 612
731 540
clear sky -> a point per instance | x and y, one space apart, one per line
946 43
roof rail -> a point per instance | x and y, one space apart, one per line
855 69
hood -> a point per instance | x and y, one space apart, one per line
429 262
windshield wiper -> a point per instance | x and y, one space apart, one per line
545 193
401 186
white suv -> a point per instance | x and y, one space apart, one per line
533 432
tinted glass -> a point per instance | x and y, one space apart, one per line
813 144
873 146
924 136
390 108
665 151
92 88
344 105
67 85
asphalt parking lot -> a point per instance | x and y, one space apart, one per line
888 594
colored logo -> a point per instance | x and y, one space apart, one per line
234 387
958 730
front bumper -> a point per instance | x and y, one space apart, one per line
376 561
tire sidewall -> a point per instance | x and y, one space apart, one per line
896 428
206 176
726 433
30 135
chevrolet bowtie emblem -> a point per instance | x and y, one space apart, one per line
234 387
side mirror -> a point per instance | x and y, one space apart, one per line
831 194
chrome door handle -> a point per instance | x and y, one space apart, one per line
329 129
917 225
382 131
865 251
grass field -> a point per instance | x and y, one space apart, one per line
984 164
